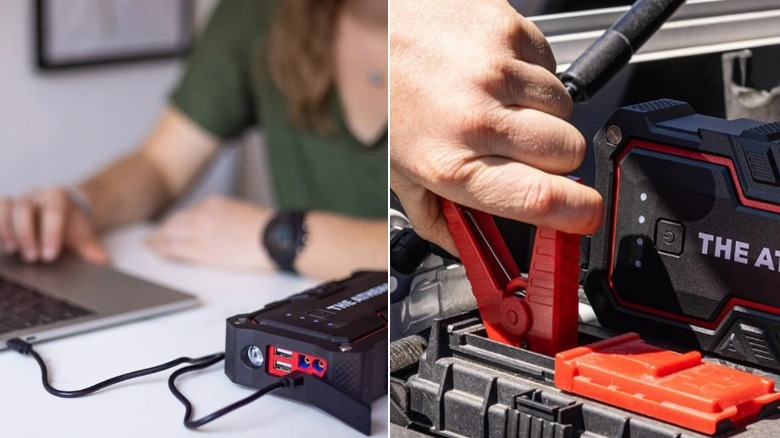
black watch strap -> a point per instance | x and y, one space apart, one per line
284 237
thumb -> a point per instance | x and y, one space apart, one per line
422 208
93 251
85 243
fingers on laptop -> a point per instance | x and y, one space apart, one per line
82 240
52 216
7 239
23 225
35 227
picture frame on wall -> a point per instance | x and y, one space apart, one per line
80 33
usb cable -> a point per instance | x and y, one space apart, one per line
198 363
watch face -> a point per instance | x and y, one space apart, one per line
283 237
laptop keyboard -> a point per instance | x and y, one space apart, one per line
22 307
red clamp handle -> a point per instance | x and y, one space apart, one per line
539 312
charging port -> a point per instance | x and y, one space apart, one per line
280 352
282 362
282 366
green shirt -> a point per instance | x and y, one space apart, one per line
227 89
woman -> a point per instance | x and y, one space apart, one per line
312 74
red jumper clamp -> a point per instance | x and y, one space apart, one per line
538 312
681 389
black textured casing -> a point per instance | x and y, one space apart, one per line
467 385
691 242
354 345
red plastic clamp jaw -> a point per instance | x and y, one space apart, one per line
539 312
681 389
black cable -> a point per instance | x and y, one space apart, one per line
27 349
290 380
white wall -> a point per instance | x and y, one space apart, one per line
55 128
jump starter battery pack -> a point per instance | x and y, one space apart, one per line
334 334
691 243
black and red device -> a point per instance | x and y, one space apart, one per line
335 335
686 251
690 247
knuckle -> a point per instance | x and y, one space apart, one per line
442 165
538 199
542 47
497 75
482 125
554 96
22 203
513 26
487 187
565 103
514 80
22 208
578 156
57 196
451 172
562 149
576 149
533 45
539 45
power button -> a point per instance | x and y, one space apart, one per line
669 237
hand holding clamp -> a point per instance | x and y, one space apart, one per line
538 312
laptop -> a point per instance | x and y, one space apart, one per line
42 302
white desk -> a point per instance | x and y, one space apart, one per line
145 407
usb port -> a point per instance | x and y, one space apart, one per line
279 352
282 366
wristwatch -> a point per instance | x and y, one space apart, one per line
284 237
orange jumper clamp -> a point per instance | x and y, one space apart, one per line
538 312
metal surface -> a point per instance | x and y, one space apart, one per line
698 27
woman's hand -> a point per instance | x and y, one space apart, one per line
227 233
219 232
40 225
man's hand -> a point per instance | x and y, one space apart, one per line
38 227
478 117
219 232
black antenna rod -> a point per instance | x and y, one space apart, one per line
612 50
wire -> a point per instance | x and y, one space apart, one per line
198 363
290 380
26 348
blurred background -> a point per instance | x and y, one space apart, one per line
61 124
